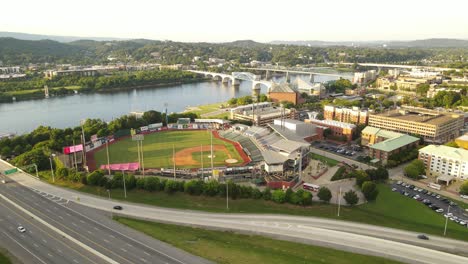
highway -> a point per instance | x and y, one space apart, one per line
89 227
39 244
355 237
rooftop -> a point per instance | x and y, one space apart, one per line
272 157
380 132
447 152
333 123
286 133
419 115
288 146
394 143
281 88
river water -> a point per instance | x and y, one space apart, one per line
61 112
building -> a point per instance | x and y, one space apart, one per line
170 67
10 70
348 115
383 143
337 128
364 77
314 89
433 91
280 92
445 163
433 126
462 141
262 114
296 130
79 72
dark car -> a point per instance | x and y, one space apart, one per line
423 237
118 207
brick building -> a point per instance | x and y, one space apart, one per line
348 115
283 92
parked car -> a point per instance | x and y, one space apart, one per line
118 207
440 210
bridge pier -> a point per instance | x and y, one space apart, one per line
288 78
311 78
225 80
235 82
268 75
255 93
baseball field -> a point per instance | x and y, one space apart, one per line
190 147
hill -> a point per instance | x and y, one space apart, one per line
26 36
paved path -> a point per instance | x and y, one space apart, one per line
367 239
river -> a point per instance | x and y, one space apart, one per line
61 112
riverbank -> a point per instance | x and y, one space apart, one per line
37 94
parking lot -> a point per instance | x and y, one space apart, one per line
350 151
433 201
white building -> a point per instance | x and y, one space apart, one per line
446 163
364 77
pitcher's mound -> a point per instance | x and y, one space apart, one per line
231 161
209 156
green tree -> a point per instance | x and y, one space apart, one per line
278 196
6 151
267 194
151 184
324 194
414 169
288 195
306 198
361 177
193 187
94 177
232 101
171 186
211 188
370 191
351 197
464 188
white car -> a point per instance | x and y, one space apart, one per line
399 182
464 196
21 229
440 210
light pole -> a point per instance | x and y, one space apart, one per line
51 167
339 201
227 194
82 122
125 188
446 220
108 192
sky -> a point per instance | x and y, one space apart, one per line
222 21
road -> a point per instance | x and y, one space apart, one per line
83 224
355 237
39 244
340 158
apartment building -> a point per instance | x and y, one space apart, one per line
337 128
433 126
445 163
348 115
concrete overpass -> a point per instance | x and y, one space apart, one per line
236 77
289 71
400 66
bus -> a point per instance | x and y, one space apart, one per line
310 187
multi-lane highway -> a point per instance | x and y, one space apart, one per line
38 244
355 237
107 238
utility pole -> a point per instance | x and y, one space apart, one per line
74 155
84 142
201 157
51 167
108 160
125 188
339 201
227 194
212 168
142 158
138 150
173 159
446 220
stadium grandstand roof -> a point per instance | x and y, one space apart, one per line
288 146
286 133
272 157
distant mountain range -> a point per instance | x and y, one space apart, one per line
423 43
26 36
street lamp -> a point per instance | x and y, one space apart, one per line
108 192
446 220
125 189
51 167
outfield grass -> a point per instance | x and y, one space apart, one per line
158 149
229 247
330 162
390 209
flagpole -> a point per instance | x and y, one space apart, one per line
201 156
142 158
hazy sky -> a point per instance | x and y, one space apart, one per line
220 20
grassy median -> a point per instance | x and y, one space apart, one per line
229 247
391 209
3 258
329 161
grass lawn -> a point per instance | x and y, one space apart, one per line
391 209
158 149
229 247
3 258
330 162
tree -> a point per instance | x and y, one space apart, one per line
351 197
381 173
193 187
151 184
211 188
278 196
361 177
232 101
5 151
324 194
288 195
94 177
306 198
414 169
464 188
370 191
171 186
267 194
